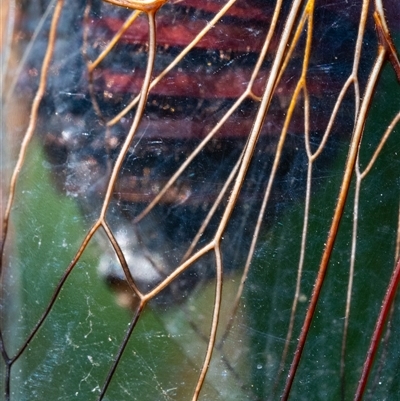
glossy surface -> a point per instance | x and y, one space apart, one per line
252 120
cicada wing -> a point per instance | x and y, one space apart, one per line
222 187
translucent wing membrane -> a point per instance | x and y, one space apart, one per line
200 200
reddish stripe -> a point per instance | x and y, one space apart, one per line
220 37
236 126
228 83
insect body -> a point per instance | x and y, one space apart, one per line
221 77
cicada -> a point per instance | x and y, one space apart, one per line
228 169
